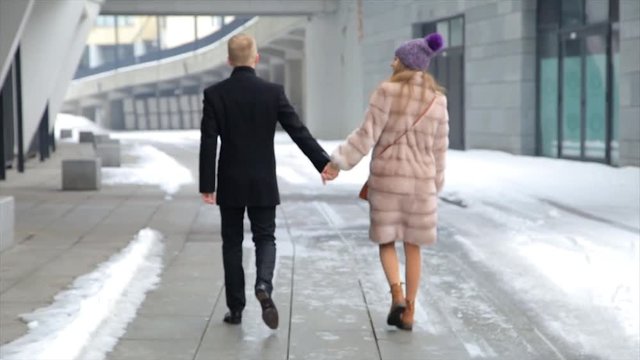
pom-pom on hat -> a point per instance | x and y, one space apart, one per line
417 53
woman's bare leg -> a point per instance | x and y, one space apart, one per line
413 268
389 259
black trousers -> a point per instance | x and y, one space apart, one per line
263 227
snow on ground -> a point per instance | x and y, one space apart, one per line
94 312
152 167
564 235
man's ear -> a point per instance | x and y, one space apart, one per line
229 62
257 58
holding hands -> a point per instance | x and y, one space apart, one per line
330 172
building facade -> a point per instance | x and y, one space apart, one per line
556 78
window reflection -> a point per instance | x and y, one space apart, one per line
123 40
207 25
176 31
137 38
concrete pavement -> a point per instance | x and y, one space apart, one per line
329 286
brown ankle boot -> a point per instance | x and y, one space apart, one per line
406 322
397 305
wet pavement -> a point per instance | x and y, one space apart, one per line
329 286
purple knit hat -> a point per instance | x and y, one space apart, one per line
417 53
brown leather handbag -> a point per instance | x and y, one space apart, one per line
364 192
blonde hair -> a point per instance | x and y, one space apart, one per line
403 75
242 49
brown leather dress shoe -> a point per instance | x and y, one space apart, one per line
269 310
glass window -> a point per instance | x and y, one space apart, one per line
124 20
443 28
596 11
548 94
106 21
571 95
572 12
101 46
208 25
457 32
615 97
177 31
228 19
596 96
138 38
548 11
614 10
427 28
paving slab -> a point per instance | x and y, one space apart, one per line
166 327
21 260
11 329
252 339
154 349
36 289
329 286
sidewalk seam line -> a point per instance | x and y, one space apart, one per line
344 240
293 266
204 333
373 328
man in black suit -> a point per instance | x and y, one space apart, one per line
243 111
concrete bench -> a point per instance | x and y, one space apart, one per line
7 221
109 153
81 174
86 137
66 133
100 138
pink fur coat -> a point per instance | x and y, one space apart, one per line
404 180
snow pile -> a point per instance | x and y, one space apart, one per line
153 167
94 312
601 190
75 124
597 275
174 137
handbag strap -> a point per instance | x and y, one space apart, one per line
412 126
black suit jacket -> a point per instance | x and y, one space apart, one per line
244 110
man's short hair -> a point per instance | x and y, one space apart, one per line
242 49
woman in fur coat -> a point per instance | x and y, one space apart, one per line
407 124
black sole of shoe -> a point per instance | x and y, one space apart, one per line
269 310
231 320
395 316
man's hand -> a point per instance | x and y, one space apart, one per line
330 172
209 198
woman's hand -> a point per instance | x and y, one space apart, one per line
330 172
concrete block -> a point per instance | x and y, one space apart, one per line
7 221
100 138
81 174
86 137
109 153
66 133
